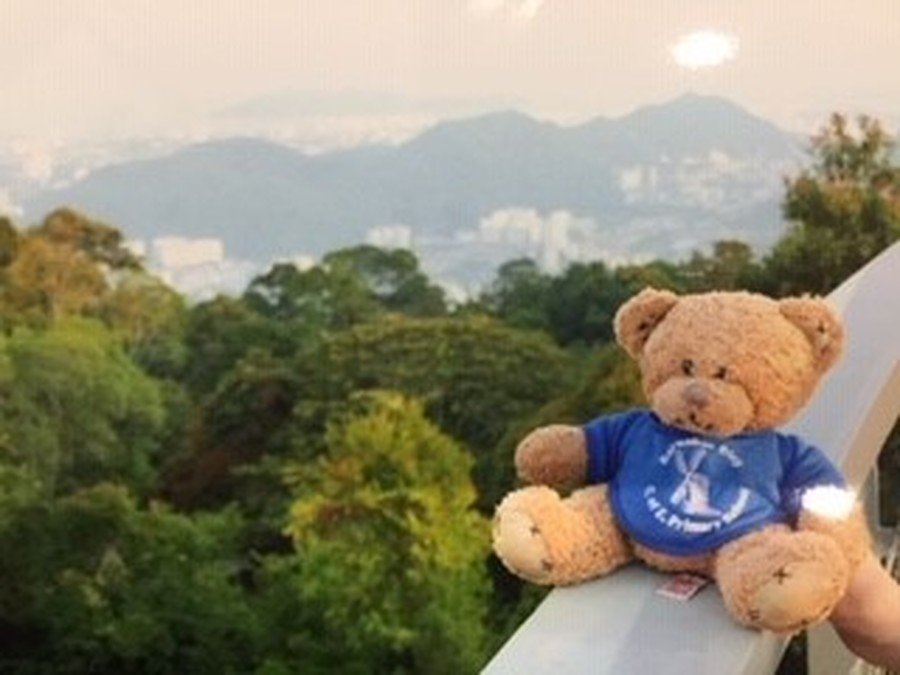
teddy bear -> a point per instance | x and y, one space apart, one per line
701 481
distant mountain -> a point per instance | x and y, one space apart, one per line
655 181
692 125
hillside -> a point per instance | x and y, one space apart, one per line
657 181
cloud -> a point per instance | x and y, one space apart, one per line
523 9
704 49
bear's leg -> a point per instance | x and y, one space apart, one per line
781 580
552 541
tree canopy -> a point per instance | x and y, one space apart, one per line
845 208
76 409
391 544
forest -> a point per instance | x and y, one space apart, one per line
301 479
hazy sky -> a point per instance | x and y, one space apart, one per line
101 68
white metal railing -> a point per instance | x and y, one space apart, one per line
619 624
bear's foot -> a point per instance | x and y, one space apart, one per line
551 541
781 580
519 544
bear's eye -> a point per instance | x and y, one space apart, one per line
687 367
721 373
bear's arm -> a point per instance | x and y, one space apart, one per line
554 455
565 457
817 497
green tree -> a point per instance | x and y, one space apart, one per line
583 301
49 280
242 422
520 295
315 298
221 331
101 243
351 286
731 266
656 273
93 584
59 268
475 375
76 409
392 549
9 241
152 319
392 276
845 209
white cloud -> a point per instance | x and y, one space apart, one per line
704 49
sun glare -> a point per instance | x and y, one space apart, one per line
704 49
829 501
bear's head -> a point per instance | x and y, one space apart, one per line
723 363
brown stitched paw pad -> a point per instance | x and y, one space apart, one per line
798 594
519 544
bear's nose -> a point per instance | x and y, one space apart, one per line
695 395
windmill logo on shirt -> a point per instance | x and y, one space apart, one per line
696 488
692 493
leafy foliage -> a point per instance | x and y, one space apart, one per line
476 376
76 409
351 286
520 295
59 268
846 209
220 332
241 422
102 586
392 548
151 317
393 277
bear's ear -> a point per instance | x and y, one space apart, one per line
637 318
820 324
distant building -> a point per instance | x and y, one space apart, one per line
525 232
196 267
181 252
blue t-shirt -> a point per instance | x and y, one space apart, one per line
684 494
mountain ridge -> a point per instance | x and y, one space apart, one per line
266 200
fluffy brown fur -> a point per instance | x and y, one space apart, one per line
715 364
